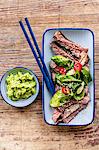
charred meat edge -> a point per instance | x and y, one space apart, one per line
59 51
66 49
60 110
72 116
82 105
72 46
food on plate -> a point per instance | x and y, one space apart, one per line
63 46
20 86
71 76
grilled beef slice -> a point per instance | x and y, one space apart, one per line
82 106
67 105
73 53
63 46
72 116
59 51
52 65
69 110
56 115
71 45
84 58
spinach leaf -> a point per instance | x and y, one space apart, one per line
79 96
85 75
65 78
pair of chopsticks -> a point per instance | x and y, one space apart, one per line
41 63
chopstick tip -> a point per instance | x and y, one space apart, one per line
20 21
26 18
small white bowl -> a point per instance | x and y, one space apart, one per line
21 102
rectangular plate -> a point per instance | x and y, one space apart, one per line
85 38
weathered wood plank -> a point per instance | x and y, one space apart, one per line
25 129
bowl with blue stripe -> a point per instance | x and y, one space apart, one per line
20 102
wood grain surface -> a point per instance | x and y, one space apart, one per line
25 129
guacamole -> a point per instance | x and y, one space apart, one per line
20 86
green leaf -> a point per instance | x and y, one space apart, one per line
86 77
79 96
80 89
63 61
65 78
77 74
60 98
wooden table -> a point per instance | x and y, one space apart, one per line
25 129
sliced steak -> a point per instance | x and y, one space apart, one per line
56 115
71 45
59 112
86 100
84 58
68 112
53 74
74 114
57 87
86 90
54 68
52 64
58 51
73 53
71 109
67 105
82 106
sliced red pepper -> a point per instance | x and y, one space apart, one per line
61 70
65 90
78 66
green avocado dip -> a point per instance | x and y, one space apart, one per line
20 86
